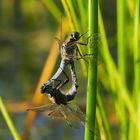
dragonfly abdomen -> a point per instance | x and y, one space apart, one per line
59 97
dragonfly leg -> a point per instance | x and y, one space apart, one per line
45 86
84 44
54 77
64 82
88 55
59 82
81 56
85 55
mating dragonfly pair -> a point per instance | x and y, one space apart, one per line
69 51
61 108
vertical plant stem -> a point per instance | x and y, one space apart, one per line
104 118
92 72
9 121
53 9
69 13
114 77
120 37
137 67
121 4
136 49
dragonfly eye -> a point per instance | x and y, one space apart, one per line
72 36
75 36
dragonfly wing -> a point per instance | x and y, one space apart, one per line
52 110
69 113
56 114
70 116
79 117
46 107
77 111
64 113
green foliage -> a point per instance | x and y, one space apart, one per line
8 121
92 71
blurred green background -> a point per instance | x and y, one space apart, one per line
27 32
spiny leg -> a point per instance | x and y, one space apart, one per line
54 77
84 44
59 85
59 82
64 82
81 56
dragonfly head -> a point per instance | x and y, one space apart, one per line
74 36
46 89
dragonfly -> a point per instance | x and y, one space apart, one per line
61 109
56 94
69 51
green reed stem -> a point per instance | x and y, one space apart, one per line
104 118
136 90
92 72
116 83
69 9
121 37
53 9
137 48
122 49
9 121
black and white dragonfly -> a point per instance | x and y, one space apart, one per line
69 51
60 108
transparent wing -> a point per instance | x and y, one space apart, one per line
76 113
70 116
69 113
47 107
51 109
79 116
56 114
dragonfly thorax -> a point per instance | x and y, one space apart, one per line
69 45
67 51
